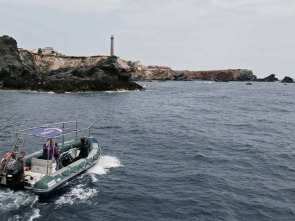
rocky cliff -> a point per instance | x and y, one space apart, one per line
21 69
45 63
221 75
216 75
10 62
106 75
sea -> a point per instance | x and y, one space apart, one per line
195 150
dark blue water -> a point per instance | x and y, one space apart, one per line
178 151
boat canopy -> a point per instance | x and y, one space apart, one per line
47 132
56 129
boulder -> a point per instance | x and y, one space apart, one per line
270 78
180 77
245 75
287 80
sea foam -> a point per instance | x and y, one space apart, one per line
104 164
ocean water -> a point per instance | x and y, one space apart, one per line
177 151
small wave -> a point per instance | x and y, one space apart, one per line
94 179
35 215
77 195
104 164
118 91
82 194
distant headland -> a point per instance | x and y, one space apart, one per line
48 70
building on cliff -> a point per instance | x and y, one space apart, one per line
50 51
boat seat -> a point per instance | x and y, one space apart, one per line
40 166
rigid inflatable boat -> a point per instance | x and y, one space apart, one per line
41 175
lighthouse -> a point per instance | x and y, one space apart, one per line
112 45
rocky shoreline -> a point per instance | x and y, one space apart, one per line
20 71
23 69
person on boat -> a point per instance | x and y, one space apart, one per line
83 150
48 148
56 157
21 160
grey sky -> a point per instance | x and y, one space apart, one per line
187 34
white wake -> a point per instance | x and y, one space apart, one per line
104 164
11 200
81 193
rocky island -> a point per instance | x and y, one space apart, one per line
21 69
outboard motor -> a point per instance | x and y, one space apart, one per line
15 177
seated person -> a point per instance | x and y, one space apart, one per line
48 148
21 161
83 150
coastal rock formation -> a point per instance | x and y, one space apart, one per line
106 75
270 78
10 62
221 75
246 75
287 80
21 69
180 77
45 63
160 75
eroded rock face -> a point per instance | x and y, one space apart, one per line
222 75
180 77
107 75
46 63
10 63
287 80
246 75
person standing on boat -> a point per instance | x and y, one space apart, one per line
56 157
22 162
83 150
48 150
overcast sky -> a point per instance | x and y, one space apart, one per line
184 34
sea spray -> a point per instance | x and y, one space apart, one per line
104 164
78 194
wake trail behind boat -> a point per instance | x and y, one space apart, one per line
12 201
81 193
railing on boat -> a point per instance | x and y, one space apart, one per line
63 126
